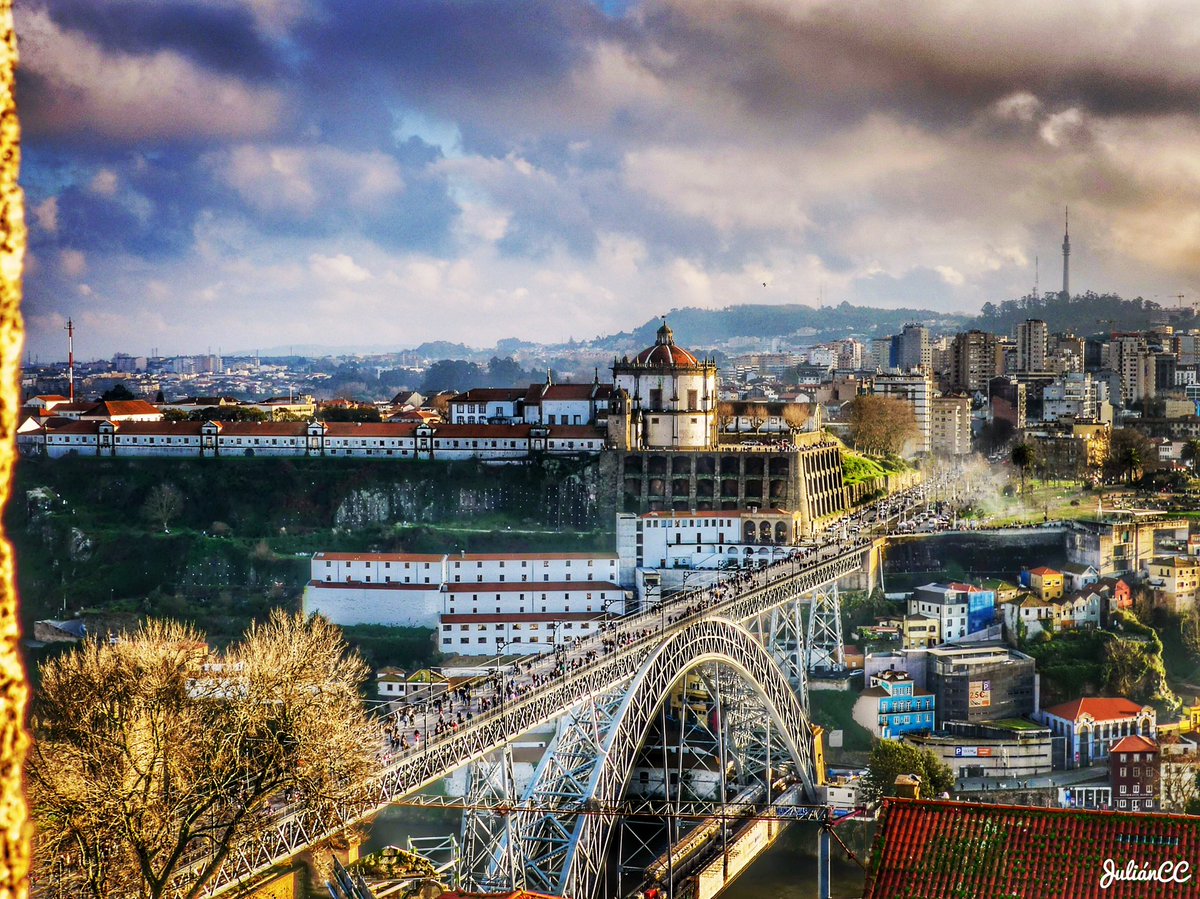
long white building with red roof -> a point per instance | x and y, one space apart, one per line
1091 725
384 440
479 603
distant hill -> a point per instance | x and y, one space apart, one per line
1083 314
709 327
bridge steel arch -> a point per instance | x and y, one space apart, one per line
409 772
565 849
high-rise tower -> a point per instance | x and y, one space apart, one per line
1066 291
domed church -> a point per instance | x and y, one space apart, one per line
664 398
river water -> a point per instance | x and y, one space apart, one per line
788 870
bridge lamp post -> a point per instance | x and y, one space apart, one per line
501 645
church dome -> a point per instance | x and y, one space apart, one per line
664 353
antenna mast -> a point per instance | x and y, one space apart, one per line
70 360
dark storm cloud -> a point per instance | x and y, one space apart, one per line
431 46
220 37
844 60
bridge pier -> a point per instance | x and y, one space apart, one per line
824 878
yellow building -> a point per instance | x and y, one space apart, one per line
920 632
1046 582
1175 580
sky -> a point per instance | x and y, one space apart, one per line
232 174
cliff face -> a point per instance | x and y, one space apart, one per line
95 534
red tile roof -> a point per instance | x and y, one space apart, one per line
158 428
930 850
121 408
1099 707
520 617
490 395
1042 571
263 428
379 557
539 393
490 432
75 427
369 429
462 557
530 586
359 585
1133 744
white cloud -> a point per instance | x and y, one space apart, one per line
73 263
104 183
307 181
45 214
338 268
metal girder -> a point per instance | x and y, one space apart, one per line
825 651
741 598
566 847
487 825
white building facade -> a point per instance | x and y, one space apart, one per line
398 440
480 604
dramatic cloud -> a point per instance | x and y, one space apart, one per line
258 171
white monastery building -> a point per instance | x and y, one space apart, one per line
396 440
480 603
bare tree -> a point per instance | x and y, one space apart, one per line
796 415
725 414
154 754
1179 788
881 424
757 413
164 504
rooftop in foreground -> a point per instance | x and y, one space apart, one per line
930 850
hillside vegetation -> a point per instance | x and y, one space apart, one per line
106 536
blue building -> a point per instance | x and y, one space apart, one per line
981 608
961 609
895 706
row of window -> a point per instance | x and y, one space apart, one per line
1136 789
565 625
1137 771
524 563
447 641
886 720
1133 803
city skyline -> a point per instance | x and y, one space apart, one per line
259 172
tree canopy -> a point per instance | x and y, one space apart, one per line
1129 452
890 758
153 751
881 424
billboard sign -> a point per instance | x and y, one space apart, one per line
981 694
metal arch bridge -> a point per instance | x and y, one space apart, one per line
619 690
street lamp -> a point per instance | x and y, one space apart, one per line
501 645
